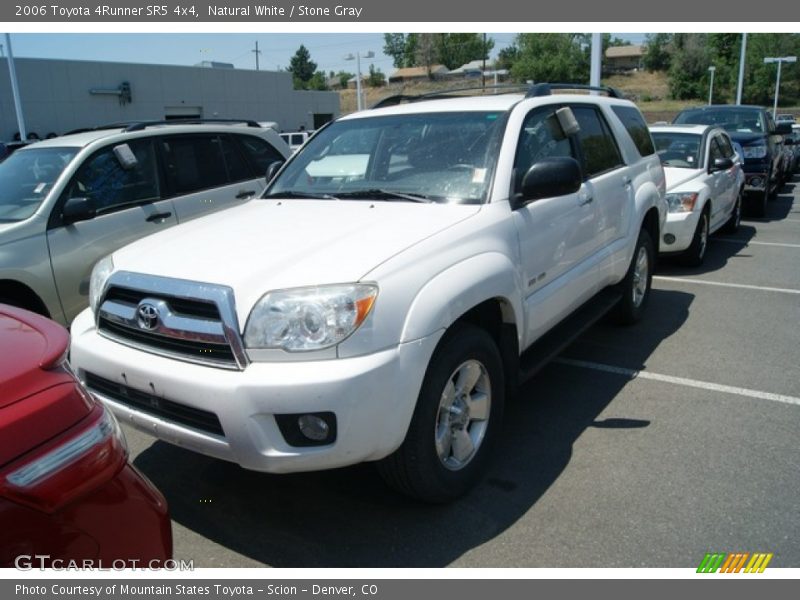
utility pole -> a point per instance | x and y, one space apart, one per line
483 71
12 71
742 56
257 52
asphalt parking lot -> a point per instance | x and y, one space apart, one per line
645 446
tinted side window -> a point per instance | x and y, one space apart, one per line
715 151
600 152
194 162
637 128
104 180
237 167
725 146
540 138
260 153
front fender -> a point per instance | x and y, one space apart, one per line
454 291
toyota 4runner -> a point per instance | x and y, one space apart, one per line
397 278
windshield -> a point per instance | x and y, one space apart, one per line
435 157
678 149
732 120
26 177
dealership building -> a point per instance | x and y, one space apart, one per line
61 95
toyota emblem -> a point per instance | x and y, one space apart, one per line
147 316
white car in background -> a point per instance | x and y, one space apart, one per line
705 182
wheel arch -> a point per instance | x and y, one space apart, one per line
22 296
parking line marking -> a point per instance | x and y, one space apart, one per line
703 385
730 285
745 243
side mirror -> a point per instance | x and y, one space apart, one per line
273 168
549 178
721 164
77 209
783 128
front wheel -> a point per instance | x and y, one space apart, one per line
635 287
696 252
733 222
456 421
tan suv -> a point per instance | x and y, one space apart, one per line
68 201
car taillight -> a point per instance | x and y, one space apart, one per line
69 466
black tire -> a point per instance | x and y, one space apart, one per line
635 297
732 224
426 465
696 252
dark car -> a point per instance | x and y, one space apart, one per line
754 129
67 490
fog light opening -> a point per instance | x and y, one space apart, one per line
313 427
669 238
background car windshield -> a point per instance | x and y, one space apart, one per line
745 121
26 177
447 157
678 149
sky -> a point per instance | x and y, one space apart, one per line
276 49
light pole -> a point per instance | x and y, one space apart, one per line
780 60
711 70
357 57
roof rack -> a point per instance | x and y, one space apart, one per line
532 91
449 93
545 89
145 124
118 125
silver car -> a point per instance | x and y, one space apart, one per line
68 201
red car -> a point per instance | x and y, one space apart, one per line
67 492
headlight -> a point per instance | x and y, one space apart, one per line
757 151
681 202
313 318
100 274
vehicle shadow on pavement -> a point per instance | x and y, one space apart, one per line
719 253
350 518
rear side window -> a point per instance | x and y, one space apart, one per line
600 152
636 127
194 162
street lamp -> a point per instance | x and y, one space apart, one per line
780 60
711 70
357 57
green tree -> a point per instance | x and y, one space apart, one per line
375 78
426 54
657 52
759 84
688 72
394 45
317 82
302 68
556 57
343 77
456 49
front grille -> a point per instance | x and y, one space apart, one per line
187 307
179 348
153 405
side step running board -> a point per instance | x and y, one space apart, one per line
562 335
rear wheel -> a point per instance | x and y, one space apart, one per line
635 287
456 421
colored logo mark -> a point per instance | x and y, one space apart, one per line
734 562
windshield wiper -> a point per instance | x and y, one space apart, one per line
299 196
379 194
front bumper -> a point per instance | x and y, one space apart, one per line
681 227
371 396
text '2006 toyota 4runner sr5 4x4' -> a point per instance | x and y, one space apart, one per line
397 278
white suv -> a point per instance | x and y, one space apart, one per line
394 281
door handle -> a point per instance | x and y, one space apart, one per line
585 199
626 181
158 217
245 194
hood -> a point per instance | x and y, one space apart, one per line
266 245
747 137
677 176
